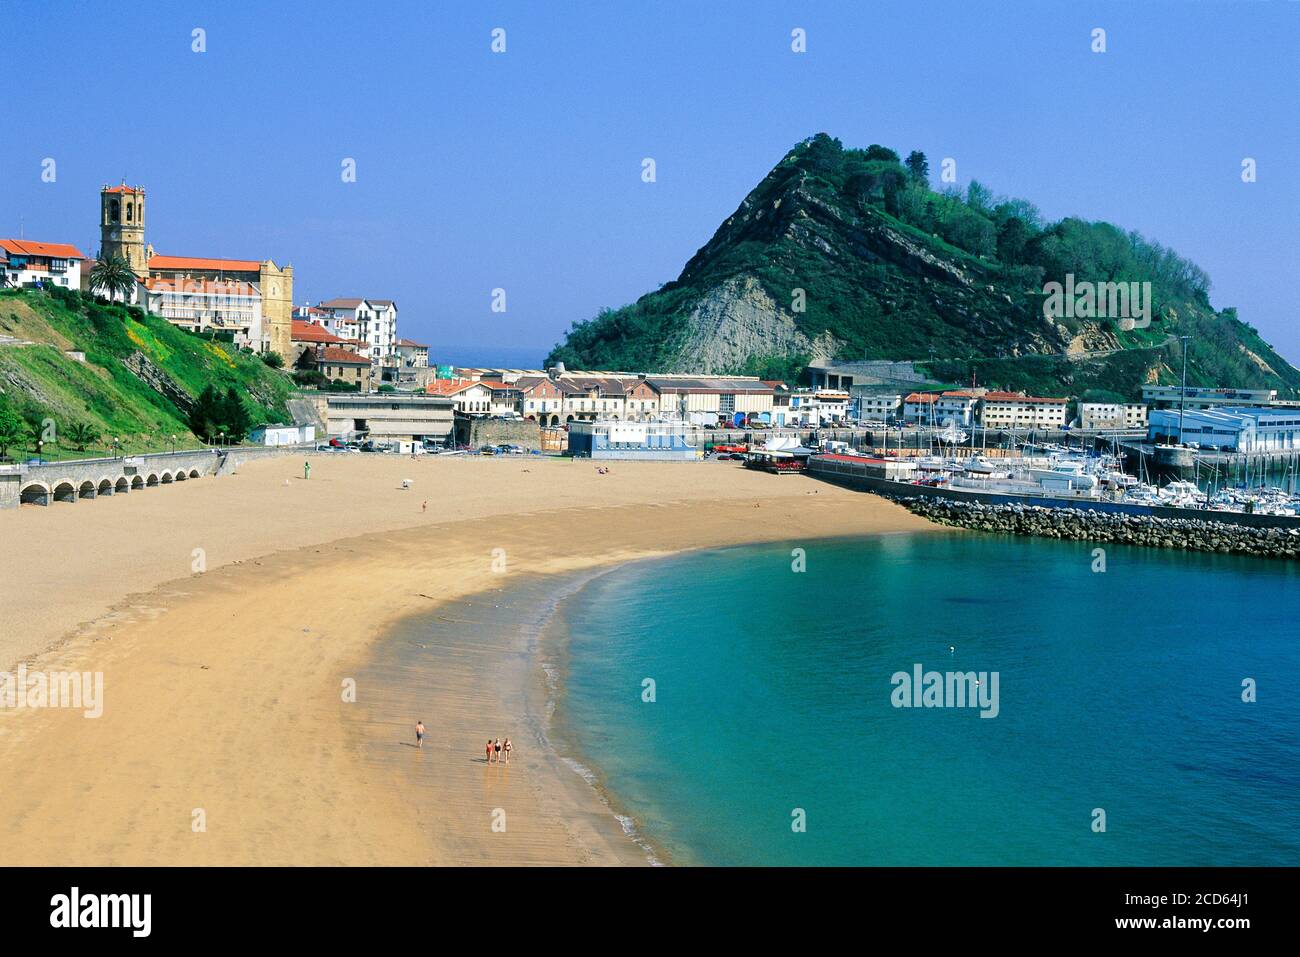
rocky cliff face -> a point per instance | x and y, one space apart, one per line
737 322
139 366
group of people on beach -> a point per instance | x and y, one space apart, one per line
498 751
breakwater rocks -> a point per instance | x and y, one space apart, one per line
1088 525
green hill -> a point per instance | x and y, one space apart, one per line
140 376
850 254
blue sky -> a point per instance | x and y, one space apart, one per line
522 170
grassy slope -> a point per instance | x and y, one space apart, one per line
42 382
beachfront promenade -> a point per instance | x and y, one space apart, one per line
80 479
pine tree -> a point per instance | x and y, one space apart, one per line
234 415
206 419
919 167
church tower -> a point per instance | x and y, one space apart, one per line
121 226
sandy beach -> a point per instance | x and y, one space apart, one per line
226 690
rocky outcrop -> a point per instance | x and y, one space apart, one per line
1088 525
738 321
138 364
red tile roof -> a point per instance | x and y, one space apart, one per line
920 397
411 344
448 386
332 355
301 331
123 188
342 304
209 286
1016 397
190 262
26 247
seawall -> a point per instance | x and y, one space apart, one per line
1089 525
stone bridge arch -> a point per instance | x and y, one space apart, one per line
34 493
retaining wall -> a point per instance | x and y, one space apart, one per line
51 482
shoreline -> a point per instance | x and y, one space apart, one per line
222 689
551 677
553 662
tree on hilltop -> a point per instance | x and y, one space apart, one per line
919 168
112 275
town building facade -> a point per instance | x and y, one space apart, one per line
30 263
1015 410
1121 416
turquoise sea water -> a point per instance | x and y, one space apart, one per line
1119 690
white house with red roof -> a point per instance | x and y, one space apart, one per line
371 321
31 263
413 354
470 397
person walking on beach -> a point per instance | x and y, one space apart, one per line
505 749
419 734
497 748
489 751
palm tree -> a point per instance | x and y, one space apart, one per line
82 435
113 275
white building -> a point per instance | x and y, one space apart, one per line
1239 429
413 355
470 398
1015 410
918 408
373 322
1129 416
282 434
31 263
817 407
879 408
1198 397
957 407
382 334
384 418
200 305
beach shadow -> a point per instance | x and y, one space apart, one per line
408 744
